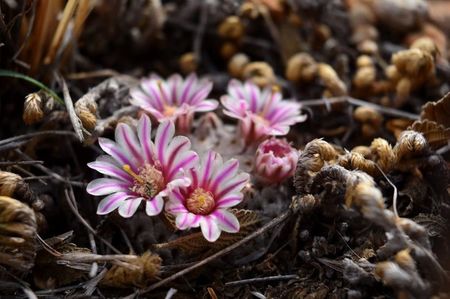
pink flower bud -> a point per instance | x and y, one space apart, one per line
275 161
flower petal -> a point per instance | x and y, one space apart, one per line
187 220
105 165
207 105
114 150
230 200
144 130
111 202
126 138
154 206
129 207
227 221
210 229
164 134
206 168
228 170
234 185
106 186
186 161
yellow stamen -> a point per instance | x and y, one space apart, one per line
128 170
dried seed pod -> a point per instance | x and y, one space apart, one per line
237 64
301 68
354 160
188 63
382 154
370 119
227 50
413 63
231 28
33 108
366 74
363 150
435 134
86 111
13 185
331 80
427 45
315 155
17 235
261 73
364 114
402 90
368 47
147 268
410 144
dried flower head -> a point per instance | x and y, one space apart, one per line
260 73
275 161
175 99
86 111
18 234
216 186
139 169
261 113
33 108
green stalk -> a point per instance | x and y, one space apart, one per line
12 74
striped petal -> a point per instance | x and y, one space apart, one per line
187 220
227 221
106 186
210 228
144 130
126 138
164 134
227 171
154 206
111 202
114 150
184 161
230 200
129 207
206 106
104 166
234 185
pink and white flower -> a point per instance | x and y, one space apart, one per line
215 187
261 113
140 170
275 161
175 99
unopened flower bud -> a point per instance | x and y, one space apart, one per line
275 161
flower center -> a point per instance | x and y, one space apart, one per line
148 183
200 202
169 110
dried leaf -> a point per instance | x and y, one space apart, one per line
147 270
196 243
437 135
438 112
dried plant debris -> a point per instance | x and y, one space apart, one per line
225 149
18 235
139 273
